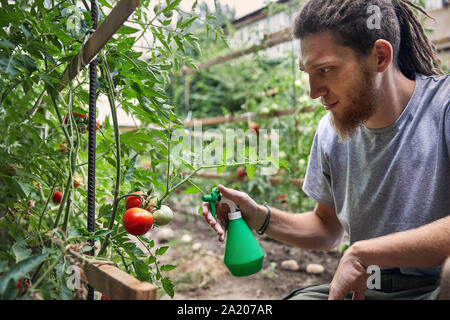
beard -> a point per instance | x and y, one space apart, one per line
363 102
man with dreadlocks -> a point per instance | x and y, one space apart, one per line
379 166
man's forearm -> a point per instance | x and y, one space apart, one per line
426 246
304 230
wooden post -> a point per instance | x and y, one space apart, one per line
116 284
99 38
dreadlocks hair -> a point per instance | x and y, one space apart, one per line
347 21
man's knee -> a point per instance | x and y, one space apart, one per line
445 281
315 292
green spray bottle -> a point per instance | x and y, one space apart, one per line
243 254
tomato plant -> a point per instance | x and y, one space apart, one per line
43 148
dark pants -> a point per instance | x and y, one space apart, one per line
394 286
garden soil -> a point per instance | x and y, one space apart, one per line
201 274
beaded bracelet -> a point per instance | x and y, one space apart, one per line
266 222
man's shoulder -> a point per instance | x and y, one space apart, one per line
435 88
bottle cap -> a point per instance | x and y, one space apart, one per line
234 215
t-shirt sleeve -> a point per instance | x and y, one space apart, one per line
447 128
317 184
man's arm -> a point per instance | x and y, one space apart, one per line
426 246
318 229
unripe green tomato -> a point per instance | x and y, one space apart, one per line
162 216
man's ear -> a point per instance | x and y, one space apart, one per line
382 53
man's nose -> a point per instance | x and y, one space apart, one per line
316 89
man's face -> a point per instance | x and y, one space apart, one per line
341 81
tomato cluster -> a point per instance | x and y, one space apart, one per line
137 220
81 121
141 213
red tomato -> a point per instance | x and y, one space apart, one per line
98 126
137 221
80 115
282 198
240 172
19 286
104 297
62 147
133 201
57 196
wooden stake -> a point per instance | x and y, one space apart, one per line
99 38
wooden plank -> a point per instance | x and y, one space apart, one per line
228 119
99 38
244 117
270 40
116 284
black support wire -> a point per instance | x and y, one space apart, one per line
92 139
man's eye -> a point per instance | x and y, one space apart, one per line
324 70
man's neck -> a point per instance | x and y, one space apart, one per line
396 92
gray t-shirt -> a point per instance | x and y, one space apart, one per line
391 179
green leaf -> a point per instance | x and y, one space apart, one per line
20 270
168 286
102 233
4 43
192 190
20 250
167 267
221 169
142 270
251 169
127 30
161 251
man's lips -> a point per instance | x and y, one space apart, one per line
330 105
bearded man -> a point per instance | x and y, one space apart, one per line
379 167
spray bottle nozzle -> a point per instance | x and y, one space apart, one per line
212 198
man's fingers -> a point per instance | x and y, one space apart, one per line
212 222
359 291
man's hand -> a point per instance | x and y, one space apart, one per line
350 276
251 211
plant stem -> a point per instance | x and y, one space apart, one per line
158 204
48 200
107 74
